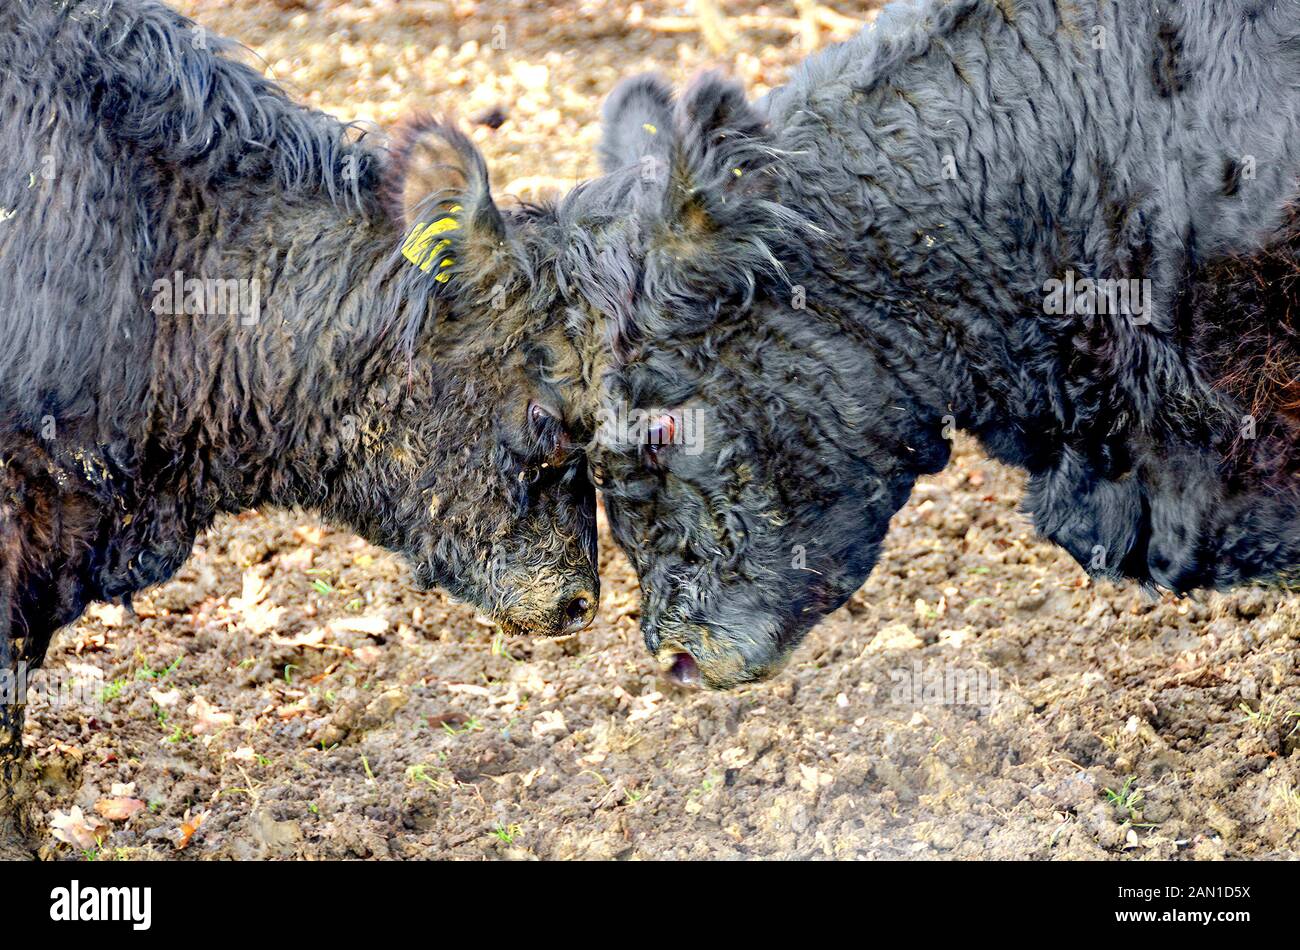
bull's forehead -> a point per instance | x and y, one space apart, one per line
575 360
591 268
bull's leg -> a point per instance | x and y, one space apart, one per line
15 841
36 551
14 778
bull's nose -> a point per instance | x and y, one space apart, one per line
579 611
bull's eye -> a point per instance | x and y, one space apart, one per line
539 414
660 435
662 431
597 474
548 440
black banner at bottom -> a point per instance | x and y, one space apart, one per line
143 902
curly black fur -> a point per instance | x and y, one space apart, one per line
840 277
134 147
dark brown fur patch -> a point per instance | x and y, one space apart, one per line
1168 71
1246 325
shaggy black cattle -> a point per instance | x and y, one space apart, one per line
212 299
1068 229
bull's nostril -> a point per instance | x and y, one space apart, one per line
579 612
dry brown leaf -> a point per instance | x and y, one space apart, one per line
166 700
256 616
260 618
532 776
371 626
62 749
118 809
549 722
301 707
644 706
110 615
189 825
313 638
76 828
207 717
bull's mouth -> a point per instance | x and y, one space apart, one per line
680 667
513 628
510 628
711 665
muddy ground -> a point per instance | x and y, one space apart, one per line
291 694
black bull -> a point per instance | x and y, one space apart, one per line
1070 230
209 303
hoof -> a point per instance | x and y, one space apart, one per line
17 842
15 845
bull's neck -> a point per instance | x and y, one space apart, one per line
261 399
938 363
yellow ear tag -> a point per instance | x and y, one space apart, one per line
417 248
737 172
649 128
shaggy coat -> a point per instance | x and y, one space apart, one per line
411 396
1069 229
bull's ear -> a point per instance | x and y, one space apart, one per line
438 188
720 136
637 124
718 211
721 155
